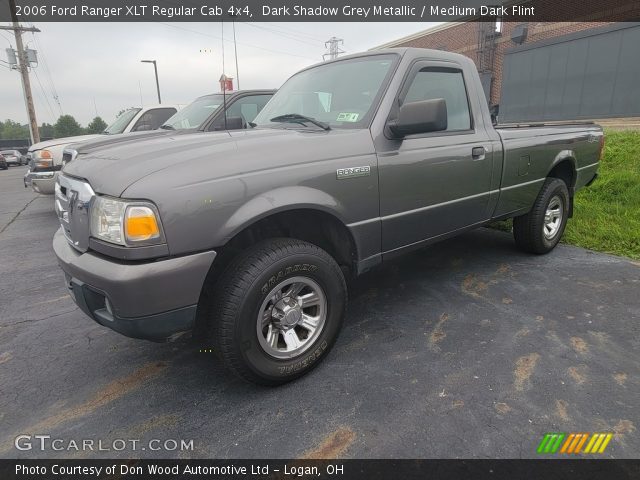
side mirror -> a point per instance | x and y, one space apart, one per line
420 117
234 123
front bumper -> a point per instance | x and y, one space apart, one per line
41 182
141 300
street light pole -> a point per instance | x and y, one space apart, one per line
155 68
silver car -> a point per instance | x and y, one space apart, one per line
14 157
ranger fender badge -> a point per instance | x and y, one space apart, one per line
351 172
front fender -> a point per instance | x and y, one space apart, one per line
276 201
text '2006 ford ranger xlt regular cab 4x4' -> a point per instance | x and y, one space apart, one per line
247 237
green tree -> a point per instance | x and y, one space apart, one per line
14 131
46 130
67 126
97 125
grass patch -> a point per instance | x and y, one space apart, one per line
606 215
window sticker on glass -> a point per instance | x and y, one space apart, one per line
347 117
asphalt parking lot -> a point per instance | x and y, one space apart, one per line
466 349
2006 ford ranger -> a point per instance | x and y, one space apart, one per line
247 237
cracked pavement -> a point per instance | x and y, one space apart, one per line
466 349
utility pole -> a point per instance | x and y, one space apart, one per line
23 66
333 44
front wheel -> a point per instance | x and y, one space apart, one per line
277 310
540 230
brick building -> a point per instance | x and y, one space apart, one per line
487 42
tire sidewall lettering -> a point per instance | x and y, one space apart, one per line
285 272
251 349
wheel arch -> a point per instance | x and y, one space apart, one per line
298 212
564 167
311 223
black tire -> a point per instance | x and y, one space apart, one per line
529 229
239 296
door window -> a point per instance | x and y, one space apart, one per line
152 119
432 83
246 108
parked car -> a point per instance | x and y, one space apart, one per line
204 114
247 237
13 157
45 158
3 163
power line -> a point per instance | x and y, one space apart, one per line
285 35
49 77
298 32
239 43
6 38
44 94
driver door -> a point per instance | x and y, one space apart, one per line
435 183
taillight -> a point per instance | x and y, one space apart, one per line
601 147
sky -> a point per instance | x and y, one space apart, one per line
95 68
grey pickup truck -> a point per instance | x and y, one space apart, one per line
246 237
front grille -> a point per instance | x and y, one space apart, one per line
73 204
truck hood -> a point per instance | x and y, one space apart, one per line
61 141
108 140
112 169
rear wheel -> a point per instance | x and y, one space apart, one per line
540 230
277 310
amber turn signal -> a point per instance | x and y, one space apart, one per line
140 224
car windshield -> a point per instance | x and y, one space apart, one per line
194 114
122 121
339 94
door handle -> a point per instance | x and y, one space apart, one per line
477 153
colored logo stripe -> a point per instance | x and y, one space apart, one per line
597 443
550 442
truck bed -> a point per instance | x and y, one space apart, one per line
531 151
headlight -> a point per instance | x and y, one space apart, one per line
42 158
125 222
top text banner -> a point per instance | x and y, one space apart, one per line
320 10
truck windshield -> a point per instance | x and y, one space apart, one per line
340 94
194 114
122 121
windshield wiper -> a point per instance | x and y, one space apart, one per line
166 126
297 118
